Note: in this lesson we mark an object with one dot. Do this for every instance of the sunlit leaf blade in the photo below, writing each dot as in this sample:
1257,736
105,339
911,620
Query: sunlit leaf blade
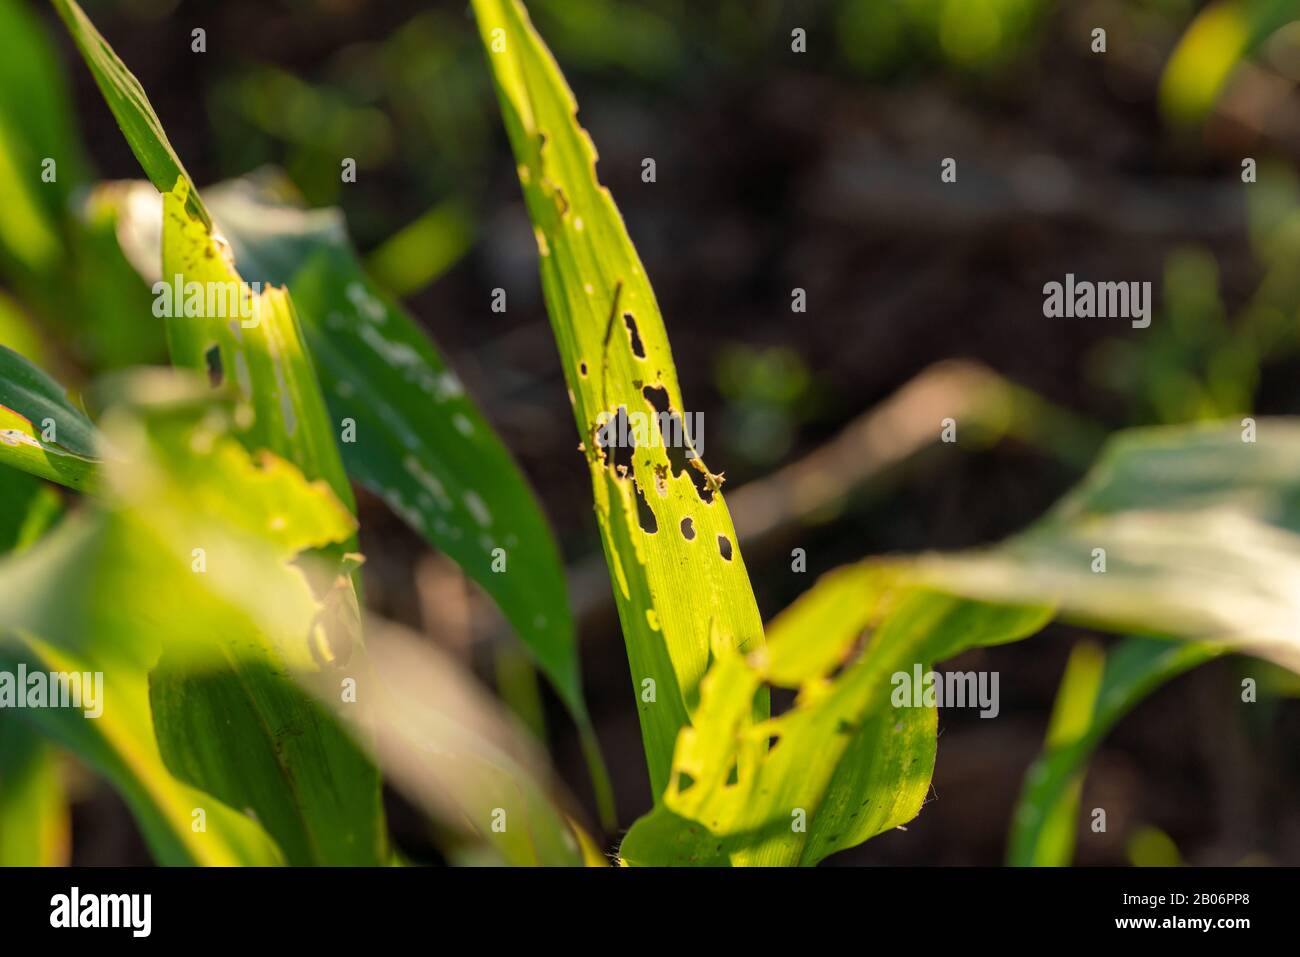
31,508
229,716
126,98
252,340
847,761
1211,50
1198,530
121,746
1096,692
34,820
216,323
35,827
215,531
294,769
678,576
41,432
249,342
35,127
419,440
457,754
51,590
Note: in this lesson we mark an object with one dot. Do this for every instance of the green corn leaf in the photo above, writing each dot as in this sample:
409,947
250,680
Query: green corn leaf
1185,531
230,717
121,745
31,508
126,98
35,129
848,761
252,340
35,827
41,432
34,821
231,617
452,749
183,480
51,590
1096,692
1212,49
678,577
249,341
229,331
420,441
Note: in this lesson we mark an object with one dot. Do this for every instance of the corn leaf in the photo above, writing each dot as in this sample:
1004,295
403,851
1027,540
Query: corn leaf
34,822
249,341
31,508
1211,50
220,326
1096,692
41,432
49,593
213,644
678,576
455,752
35,128
35,827
420,442
257,346
1186,531
126,98
848,761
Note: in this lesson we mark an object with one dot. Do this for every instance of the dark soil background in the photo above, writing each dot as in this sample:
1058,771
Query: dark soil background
779,170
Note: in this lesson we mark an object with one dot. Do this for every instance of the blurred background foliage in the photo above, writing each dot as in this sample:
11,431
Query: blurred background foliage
776,170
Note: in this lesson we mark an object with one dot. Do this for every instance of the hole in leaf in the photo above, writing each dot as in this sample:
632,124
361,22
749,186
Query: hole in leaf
724,547
645,515
676,442
638,348
688,528
216,374
733,776
582,369
684,781
616,439
657,396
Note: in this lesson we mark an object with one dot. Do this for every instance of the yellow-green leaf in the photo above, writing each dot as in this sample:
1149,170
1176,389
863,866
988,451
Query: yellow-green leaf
678,576
847,761
1188,531
41,432
1097,690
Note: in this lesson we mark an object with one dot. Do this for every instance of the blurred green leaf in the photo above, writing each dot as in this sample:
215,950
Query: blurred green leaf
231,619
420,443
248,341
34,822
1211,49
678,577
1097,690
31,508
1197,530
846,762
35,827
35,131
423,250
41,432
451,748
64,591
